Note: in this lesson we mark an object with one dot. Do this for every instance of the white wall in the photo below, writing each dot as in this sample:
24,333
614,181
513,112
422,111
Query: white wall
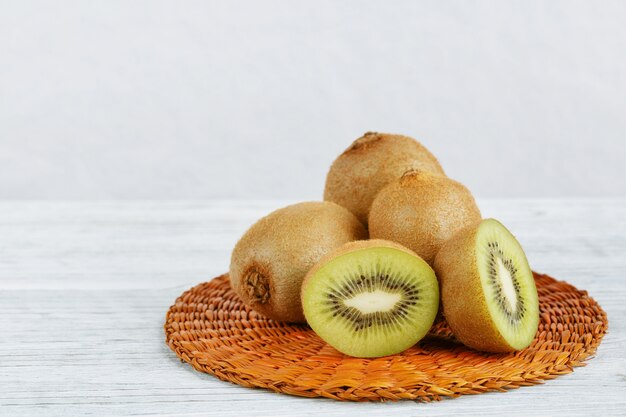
254,99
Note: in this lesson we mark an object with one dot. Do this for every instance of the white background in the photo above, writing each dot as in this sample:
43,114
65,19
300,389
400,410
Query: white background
254,99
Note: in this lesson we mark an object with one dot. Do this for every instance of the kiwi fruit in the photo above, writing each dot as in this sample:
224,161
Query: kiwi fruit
370,163
270,261
488,290
421,211
370,298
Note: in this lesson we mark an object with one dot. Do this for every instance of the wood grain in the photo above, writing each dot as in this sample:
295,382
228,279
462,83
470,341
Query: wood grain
84,288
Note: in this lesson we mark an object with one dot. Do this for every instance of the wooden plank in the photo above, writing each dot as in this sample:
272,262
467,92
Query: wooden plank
84,288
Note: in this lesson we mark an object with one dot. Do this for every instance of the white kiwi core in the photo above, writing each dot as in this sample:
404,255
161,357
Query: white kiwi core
506,282
374,301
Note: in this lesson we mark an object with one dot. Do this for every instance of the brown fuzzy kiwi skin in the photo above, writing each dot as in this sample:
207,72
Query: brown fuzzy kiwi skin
464,304
370,163
271,259
421,211
352,247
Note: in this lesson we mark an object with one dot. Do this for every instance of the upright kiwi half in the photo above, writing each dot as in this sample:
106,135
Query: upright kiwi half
371,298
370,163
488,291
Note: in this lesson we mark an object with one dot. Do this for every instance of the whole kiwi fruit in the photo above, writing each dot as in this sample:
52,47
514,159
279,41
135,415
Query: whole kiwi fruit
488,290
421,211
369,164
371,298
271,259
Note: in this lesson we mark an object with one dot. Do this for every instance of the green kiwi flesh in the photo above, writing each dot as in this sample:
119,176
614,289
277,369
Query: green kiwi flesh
371,298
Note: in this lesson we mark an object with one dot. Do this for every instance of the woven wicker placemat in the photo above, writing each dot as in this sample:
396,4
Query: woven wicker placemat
211,329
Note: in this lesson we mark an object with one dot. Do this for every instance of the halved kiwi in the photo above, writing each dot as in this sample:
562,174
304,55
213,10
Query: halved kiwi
488,290
371,298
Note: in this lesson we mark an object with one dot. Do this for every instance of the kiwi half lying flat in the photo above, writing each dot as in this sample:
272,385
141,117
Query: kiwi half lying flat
488,291
370,298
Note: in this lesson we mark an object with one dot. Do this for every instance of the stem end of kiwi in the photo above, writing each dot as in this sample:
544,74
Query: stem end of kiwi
256,285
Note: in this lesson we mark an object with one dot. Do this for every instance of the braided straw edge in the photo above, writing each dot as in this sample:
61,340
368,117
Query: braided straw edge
560,363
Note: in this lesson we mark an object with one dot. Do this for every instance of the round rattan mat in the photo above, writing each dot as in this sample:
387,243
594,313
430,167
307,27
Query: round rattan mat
211,329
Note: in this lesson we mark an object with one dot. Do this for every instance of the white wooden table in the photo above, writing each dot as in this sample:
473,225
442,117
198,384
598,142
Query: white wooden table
84,288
